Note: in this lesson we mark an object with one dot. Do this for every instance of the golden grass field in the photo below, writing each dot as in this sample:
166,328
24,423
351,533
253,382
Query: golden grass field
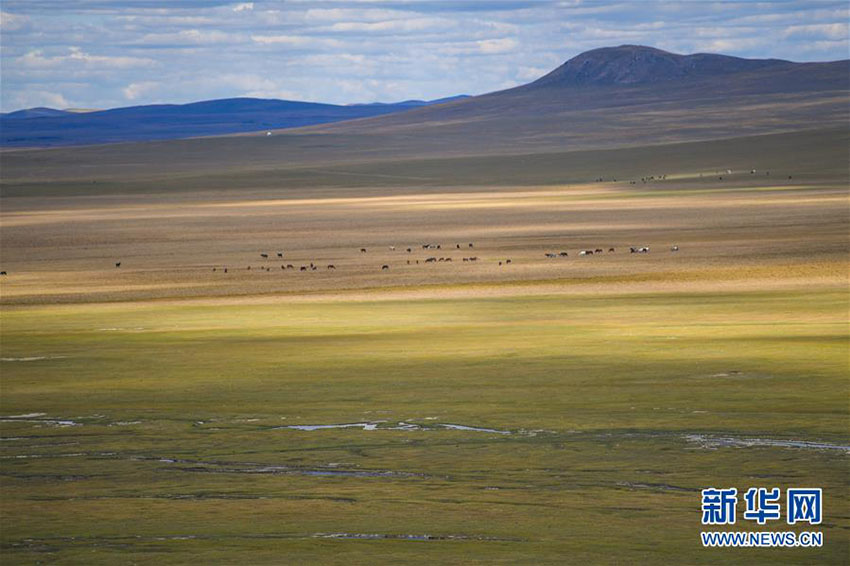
144,407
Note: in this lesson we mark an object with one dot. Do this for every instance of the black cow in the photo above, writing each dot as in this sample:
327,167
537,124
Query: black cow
279,254
384,267
264,256
362,250
331,266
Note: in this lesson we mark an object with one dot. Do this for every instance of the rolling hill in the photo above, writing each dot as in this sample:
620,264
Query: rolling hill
42,127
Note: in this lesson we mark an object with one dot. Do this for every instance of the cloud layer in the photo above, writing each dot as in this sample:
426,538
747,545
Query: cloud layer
108,53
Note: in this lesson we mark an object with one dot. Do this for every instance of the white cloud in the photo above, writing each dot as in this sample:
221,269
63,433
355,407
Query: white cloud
531,73
77,57
243,7
400,25
348,14
295,41
30,99
12,22
835,31
136,90
189,37
502,45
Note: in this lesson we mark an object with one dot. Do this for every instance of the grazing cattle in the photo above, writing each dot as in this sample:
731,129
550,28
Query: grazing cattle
507,261
313,268
392,248
473,258
249,268
431,260
470,244
279,254
458,246
550,255
500,264
674,249
439,247
225,270
117,264
362,250
442,259
466,259
2,273
564,254
290,266
283,267
409,250
640,250
303,268
264,256
598,250
384,267
610,250
448,259
586,252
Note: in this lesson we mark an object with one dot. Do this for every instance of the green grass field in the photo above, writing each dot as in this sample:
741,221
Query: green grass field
607,406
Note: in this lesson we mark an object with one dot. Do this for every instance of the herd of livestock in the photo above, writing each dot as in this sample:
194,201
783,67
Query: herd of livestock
434,259
385,267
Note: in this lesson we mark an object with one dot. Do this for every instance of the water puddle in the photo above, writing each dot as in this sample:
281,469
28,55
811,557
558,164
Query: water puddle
401,425
364,426
473,429
40,419
714,442
32,358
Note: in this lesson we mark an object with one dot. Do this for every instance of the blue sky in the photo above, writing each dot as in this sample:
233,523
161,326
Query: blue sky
108,53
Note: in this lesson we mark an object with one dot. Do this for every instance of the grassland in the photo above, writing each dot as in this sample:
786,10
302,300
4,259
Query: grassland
145,407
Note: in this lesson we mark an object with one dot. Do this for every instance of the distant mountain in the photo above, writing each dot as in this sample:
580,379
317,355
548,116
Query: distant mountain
49,127
416,103
626,95
635,65
39,112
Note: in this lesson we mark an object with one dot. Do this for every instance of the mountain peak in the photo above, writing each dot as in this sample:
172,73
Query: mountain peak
638,64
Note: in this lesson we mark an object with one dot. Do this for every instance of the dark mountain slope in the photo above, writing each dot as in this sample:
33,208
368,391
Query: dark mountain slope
625,96
634,64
